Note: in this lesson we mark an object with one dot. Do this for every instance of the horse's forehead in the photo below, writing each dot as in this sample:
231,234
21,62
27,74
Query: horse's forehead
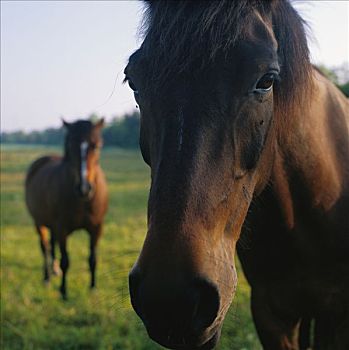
262,29
258,32
86,134
81,136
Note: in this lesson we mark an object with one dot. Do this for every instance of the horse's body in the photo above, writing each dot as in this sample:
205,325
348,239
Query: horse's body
248,146
57,199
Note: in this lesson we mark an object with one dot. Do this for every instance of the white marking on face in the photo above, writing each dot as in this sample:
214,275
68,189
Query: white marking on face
83,154
180,131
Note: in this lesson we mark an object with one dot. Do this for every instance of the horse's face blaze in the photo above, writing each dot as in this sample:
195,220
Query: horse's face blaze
82,146
206,136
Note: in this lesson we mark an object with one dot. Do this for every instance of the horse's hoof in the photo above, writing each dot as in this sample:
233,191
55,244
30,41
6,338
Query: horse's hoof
46,283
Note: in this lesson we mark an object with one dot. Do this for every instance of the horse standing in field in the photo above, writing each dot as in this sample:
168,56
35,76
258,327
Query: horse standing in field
247,142
67,193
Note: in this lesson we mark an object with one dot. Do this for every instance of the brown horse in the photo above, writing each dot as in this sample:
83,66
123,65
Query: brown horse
67,193
247,142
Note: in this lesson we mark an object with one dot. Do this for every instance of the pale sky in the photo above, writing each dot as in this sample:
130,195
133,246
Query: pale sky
64,58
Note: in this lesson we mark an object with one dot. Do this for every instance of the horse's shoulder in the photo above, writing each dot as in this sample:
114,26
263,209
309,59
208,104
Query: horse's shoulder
39,164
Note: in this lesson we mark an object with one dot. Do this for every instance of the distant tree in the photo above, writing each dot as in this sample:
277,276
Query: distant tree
122,132
13,137
345,88
93,117
338,75
329,73
342,72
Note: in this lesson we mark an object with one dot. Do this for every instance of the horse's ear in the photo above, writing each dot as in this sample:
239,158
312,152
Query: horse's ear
100,123
66,124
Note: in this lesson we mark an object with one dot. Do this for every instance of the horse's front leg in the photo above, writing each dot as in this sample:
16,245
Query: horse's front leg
45,248
64,263
95,233
277,329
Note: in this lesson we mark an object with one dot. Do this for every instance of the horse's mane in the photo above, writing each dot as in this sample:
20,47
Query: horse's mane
182,36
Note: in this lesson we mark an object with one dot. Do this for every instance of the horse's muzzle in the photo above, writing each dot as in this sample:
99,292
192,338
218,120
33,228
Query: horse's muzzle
177,316
85,191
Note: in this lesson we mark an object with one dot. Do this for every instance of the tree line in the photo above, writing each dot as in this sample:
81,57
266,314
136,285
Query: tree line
338,75
121,132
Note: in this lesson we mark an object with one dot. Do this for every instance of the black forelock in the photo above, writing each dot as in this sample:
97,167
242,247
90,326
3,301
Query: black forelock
80,128
77,131
186,35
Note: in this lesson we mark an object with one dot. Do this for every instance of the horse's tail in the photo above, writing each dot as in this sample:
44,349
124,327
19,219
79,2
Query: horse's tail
36,165
304,338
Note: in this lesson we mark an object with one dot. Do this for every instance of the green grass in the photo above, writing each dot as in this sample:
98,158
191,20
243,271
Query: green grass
34,317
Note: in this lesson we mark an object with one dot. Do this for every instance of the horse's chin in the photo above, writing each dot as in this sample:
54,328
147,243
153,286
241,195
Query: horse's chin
212,342
203,342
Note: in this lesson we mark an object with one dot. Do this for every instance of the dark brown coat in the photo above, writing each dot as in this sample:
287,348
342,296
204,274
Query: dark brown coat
62,197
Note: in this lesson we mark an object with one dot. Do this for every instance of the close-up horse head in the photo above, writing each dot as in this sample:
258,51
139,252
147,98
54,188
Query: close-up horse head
82,144
210,79
233,114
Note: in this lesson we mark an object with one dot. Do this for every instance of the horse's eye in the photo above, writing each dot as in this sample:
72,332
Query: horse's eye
265,83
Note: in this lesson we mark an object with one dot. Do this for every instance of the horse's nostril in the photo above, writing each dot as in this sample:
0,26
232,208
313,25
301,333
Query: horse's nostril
207,306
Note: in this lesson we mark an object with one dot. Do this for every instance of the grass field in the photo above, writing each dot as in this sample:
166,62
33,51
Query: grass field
33,315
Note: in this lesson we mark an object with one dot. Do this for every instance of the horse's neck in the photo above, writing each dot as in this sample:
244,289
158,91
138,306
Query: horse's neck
314,159
71,170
